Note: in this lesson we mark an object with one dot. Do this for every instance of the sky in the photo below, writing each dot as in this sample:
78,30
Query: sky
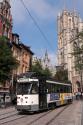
45,14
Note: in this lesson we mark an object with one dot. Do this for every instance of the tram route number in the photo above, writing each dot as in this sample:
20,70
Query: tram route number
21,99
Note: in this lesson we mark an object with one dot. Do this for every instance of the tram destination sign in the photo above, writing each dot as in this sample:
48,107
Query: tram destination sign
20,80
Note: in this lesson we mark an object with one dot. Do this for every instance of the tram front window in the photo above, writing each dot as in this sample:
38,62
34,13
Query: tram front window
34,89
23,88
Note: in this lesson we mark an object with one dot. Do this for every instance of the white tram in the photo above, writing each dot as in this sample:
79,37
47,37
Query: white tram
35,93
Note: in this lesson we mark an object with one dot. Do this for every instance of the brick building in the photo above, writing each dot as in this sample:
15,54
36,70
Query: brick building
5,19
22,52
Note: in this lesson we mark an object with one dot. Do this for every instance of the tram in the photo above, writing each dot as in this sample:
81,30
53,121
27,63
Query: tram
35,93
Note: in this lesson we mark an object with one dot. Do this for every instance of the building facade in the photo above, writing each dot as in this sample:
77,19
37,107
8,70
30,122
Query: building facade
5,19
69,24
21,52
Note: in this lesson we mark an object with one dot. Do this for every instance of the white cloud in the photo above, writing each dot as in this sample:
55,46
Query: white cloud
18,13
51,55
39,8
53,59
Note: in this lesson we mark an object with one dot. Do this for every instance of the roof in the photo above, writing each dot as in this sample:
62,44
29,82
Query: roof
21,45
15,34
30,74
27,48
17,45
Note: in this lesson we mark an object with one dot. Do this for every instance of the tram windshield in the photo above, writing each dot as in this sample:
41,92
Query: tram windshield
24,88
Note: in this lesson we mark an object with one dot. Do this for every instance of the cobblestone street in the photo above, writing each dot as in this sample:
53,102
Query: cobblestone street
66,115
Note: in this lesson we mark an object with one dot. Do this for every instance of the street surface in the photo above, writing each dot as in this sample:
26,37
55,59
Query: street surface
66,115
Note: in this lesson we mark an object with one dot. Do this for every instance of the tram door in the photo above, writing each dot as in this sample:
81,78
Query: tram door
42,94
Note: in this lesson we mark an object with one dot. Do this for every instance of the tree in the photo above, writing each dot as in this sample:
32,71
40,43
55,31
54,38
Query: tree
78,54
37,67
61,75
47,73
7,61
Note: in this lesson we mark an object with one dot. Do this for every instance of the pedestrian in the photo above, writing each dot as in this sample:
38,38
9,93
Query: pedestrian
0,101
81,95
77,95
4,98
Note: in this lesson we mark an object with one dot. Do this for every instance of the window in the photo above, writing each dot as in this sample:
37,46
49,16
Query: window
49,88
23,88
34,89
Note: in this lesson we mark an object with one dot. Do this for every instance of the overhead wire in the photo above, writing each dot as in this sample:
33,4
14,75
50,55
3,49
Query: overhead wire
37,25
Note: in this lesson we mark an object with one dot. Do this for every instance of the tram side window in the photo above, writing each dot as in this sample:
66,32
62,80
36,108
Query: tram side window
34,89
65,89
69,89
58,89
61,90
49,88
52,88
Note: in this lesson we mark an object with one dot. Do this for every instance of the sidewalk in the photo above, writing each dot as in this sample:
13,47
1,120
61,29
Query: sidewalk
6,105
82,114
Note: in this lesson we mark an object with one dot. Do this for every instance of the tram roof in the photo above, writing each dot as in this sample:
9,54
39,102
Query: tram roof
35,76
58,83
30,75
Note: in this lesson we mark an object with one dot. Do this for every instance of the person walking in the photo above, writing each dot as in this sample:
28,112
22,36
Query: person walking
4,99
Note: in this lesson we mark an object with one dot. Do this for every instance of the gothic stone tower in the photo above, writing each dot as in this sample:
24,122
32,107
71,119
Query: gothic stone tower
69,24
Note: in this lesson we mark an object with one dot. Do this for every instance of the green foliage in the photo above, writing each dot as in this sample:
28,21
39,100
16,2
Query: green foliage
78,51
4,39
61,75
47,72
7,61
37,67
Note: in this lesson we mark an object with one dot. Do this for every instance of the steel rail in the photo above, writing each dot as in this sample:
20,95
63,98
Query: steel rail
48,123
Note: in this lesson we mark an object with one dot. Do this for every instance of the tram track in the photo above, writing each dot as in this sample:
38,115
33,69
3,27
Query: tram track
58,114
48,123
17,117
14,119
10,115
39,118
24,116
6,113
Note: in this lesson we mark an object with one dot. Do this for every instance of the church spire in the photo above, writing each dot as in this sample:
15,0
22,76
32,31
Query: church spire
46,59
